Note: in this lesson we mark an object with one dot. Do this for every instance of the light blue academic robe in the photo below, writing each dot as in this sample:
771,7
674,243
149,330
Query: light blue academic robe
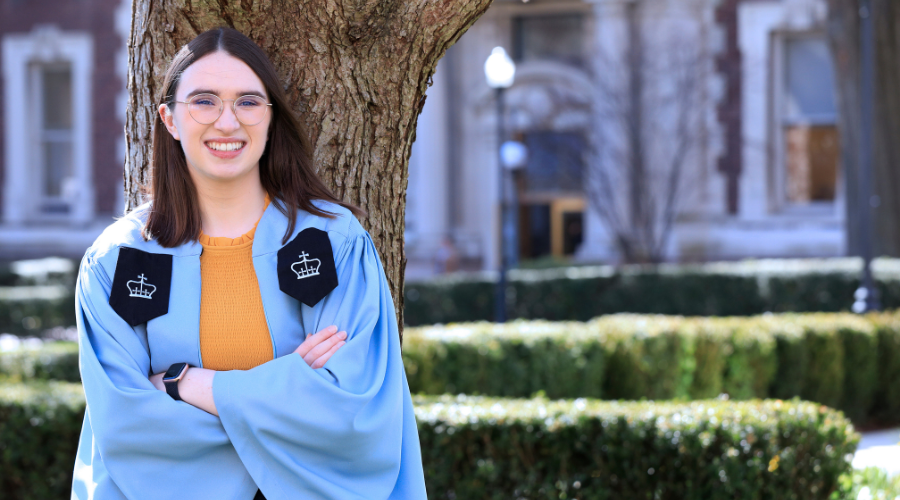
344,431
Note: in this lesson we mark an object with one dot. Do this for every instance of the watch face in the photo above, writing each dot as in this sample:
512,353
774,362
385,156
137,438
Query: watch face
174,371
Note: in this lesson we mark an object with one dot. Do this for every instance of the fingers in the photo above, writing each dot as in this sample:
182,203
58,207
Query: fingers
319,363
323,347
314,340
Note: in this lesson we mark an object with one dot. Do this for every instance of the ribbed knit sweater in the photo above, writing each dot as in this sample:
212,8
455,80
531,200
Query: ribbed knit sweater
233,330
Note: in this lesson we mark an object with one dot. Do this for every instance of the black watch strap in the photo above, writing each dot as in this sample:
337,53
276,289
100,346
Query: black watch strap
174,375
172,389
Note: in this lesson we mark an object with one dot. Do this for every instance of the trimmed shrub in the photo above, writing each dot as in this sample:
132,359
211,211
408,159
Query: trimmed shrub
871,483
751,361
841,360
845,361
827,358
490,448
29,310
40,423
514,359
485,448
52,361
559,294
580,294
717,289
633,357
648,357
886,408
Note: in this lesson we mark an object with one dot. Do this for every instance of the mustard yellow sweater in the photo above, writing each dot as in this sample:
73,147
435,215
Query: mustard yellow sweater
233,330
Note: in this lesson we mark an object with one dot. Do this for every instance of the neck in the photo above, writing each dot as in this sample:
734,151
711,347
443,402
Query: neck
230,209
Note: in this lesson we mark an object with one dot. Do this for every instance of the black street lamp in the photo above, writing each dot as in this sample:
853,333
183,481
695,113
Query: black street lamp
866,295
500,72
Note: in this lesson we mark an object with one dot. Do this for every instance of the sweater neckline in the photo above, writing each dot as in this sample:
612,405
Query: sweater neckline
241,241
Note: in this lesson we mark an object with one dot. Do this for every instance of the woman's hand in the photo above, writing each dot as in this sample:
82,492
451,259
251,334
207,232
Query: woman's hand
318,348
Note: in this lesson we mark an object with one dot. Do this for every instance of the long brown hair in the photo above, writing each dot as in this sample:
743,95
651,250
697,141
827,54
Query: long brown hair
285,168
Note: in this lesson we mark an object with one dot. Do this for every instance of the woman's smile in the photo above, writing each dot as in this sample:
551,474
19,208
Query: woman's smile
225,148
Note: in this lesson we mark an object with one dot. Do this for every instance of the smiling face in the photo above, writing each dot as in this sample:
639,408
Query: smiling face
225,150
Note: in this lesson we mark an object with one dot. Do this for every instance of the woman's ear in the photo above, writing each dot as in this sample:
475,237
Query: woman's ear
168,120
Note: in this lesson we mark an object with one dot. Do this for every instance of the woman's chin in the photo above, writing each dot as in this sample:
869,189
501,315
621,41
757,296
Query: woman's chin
224,172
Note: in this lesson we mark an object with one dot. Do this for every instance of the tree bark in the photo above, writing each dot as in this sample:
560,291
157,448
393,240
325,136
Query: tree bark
355,70
844,37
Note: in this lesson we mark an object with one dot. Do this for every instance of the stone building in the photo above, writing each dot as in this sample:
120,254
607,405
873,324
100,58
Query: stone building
761,180
759,175
62,103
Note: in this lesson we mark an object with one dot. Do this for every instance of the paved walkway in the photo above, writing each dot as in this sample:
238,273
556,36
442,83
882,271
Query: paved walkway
879,449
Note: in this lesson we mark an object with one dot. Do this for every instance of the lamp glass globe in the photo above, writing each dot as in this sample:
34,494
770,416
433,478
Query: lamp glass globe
499,69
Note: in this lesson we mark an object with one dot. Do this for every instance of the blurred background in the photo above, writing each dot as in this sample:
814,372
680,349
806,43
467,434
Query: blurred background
689,130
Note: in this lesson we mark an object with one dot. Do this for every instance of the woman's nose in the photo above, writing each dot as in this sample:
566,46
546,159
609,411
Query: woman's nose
227,120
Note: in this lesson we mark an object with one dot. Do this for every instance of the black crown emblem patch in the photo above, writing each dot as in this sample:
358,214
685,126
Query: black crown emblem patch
306,268
141,285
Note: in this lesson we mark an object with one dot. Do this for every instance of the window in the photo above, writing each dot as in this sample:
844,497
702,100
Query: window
556,38
555,161
48,171
53,107
809,137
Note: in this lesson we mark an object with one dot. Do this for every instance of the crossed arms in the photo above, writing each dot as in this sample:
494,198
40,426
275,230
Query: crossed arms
196,388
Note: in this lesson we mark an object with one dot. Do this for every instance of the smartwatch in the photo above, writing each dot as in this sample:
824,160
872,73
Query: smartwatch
171,378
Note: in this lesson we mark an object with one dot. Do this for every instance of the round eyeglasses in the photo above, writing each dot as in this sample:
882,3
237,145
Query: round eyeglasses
207,108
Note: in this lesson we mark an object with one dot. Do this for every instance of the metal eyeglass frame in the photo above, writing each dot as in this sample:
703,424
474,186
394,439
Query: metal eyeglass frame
222,108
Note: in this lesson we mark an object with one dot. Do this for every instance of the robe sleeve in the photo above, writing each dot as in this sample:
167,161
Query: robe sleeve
151,446
346,430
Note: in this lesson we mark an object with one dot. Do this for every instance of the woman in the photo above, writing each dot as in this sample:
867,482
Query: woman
212,286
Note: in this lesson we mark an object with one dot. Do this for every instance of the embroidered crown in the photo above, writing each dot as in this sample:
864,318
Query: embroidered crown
140,289
306,267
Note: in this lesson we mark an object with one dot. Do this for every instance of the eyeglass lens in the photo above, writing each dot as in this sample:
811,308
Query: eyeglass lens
206,108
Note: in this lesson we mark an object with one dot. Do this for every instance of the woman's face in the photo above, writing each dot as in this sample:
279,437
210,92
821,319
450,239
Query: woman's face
226,149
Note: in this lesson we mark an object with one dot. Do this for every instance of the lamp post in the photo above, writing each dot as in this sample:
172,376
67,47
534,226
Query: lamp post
513,156
500,72
866,295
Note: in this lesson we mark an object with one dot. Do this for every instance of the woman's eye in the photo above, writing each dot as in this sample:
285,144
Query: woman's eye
203,102
248,103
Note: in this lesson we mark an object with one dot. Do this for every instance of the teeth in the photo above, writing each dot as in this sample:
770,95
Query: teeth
225,146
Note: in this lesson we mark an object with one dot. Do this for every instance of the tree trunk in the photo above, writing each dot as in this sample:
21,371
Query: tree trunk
355,70
844,35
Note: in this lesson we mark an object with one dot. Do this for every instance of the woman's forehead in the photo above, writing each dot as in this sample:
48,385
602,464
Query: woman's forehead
221,74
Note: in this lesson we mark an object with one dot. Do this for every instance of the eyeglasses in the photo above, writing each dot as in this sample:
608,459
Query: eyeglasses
207,108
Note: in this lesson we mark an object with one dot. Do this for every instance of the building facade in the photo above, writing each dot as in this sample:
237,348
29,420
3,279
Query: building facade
736,95
617,101
62,149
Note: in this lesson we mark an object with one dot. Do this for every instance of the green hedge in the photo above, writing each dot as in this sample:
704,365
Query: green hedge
484,448
512,360
559,294
29,310
46,271
717,289
52,361
887,389
37,295
39,427
476,448
845,361
871,483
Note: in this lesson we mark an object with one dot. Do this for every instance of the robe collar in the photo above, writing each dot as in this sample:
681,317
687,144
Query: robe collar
267,238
